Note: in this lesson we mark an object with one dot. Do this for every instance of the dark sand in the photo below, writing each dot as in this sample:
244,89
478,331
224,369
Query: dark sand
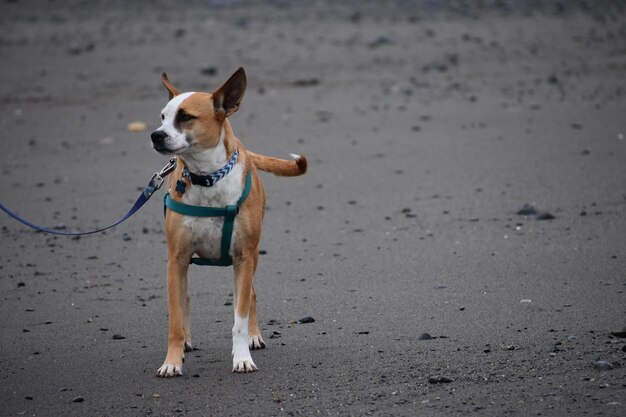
427,127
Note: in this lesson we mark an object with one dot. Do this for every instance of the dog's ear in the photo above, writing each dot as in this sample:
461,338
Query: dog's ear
227,98
173,91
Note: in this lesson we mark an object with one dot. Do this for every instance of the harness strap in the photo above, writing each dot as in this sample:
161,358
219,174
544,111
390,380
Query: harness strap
229,213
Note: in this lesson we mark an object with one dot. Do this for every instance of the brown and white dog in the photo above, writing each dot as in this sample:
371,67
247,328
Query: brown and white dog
196,129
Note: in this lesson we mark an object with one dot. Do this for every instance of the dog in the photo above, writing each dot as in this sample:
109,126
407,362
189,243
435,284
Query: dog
196,129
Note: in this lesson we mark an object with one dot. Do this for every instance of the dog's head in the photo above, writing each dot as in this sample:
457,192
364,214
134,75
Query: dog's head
192,122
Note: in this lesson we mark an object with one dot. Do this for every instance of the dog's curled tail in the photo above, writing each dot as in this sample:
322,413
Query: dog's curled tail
280,167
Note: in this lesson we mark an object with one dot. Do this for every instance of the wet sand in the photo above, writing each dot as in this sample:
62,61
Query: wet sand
427,128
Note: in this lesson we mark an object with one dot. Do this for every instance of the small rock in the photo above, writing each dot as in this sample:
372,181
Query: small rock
525,300
28,397
118,337
552,79
364,332
440,380
620,333
309,82
78,400
136,127
602,366
527,210
545,216
21,284
424,336
306,319
196,375
209,71
228,303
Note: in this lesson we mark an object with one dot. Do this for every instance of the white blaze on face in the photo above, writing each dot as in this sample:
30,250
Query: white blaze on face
176,140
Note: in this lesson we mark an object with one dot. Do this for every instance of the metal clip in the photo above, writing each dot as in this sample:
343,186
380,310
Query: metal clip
168,168
159,177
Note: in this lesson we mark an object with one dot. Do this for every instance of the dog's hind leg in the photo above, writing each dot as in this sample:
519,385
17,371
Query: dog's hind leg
244,274
176,298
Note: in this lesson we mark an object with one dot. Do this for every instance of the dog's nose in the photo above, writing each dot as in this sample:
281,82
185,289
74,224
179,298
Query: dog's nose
158,136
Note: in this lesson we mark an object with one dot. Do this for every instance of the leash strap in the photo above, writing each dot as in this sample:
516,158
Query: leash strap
155,183
229,213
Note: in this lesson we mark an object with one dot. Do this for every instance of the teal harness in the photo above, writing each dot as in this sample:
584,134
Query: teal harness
228,213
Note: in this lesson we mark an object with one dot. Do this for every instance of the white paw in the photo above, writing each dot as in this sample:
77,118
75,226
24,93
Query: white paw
169,370
244,365
256,342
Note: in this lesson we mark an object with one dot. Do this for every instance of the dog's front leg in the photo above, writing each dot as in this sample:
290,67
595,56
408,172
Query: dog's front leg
244,274
177,300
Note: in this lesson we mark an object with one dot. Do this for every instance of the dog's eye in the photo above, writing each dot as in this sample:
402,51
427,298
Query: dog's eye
184,117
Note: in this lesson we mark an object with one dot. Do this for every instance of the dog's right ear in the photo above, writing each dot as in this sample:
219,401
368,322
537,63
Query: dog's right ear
173,91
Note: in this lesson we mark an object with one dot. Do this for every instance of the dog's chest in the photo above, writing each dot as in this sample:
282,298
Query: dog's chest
205,233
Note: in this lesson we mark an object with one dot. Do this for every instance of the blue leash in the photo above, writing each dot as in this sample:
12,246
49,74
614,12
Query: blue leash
155,183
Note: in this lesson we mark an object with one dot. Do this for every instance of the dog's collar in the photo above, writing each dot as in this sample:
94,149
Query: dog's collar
214,177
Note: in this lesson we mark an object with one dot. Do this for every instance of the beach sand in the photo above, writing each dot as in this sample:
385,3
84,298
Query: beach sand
427,127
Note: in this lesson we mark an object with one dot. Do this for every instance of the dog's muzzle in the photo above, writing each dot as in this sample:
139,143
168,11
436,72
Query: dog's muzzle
159,138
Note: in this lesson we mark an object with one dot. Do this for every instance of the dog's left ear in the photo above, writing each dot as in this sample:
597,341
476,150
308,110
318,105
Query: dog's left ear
227,98
173,91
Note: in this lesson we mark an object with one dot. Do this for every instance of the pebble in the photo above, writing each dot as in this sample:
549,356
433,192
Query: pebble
424,336
78,400
440,380
527,210
309,82
530,211
620,333
602,366
545,216
209,71
136,127
21,284
306,319
118,337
